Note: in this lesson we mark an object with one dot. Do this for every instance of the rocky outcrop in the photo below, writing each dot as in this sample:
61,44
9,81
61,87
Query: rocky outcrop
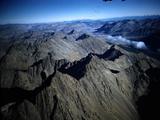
83,36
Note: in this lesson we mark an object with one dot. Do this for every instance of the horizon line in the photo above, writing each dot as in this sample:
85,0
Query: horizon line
89,19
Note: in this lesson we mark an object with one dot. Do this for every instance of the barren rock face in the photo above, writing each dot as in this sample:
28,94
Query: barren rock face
52,78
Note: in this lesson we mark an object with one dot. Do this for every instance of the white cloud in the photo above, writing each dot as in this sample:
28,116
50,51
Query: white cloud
119,40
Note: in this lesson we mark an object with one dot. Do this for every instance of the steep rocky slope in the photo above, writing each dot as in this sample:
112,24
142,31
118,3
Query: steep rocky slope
47,76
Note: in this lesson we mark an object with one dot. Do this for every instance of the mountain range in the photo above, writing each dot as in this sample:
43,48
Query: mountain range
72,71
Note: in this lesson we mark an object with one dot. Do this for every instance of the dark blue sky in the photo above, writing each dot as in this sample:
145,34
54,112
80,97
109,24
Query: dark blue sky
35,11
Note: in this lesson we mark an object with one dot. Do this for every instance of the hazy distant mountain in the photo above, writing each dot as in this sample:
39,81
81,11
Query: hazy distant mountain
146,30
133,18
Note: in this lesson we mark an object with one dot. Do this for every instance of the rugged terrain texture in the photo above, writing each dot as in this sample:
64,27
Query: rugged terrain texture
57,75
147,30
